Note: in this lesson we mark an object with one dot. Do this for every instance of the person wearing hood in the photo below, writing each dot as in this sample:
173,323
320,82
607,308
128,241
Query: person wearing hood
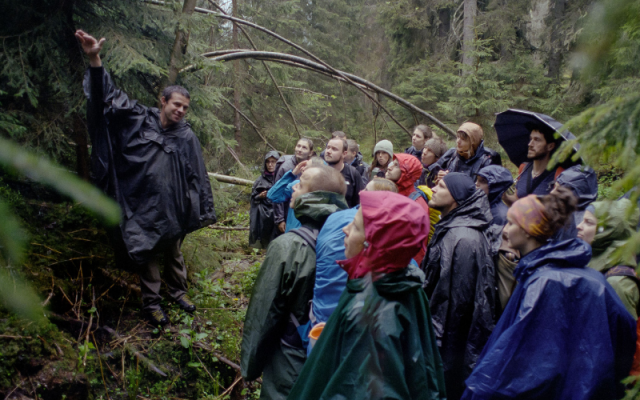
583,183
382,156
286,163
379,342
262,229
494,180
420,135
468,157
434,148
564,334
607,226
404,171
460,277
271,345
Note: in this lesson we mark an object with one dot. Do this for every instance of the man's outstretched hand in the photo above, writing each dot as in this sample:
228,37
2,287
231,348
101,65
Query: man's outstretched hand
91,47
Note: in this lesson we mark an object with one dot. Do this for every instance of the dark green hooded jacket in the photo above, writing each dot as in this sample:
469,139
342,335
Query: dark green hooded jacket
616,224
284,287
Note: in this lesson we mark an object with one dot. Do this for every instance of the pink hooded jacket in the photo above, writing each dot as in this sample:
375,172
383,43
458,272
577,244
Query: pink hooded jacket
396,228
411,169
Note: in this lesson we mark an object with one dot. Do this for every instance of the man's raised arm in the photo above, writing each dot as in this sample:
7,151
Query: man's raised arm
91,47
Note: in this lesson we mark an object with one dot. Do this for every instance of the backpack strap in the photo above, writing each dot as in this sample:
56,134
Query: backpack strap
309,235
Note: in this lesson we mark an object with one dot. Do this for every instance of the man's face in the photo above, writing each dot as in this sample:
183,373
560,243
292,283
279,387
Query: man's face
442,199
482,184
304,186
271,164
538,146
463,144
175,108
302,150
334,152
393,171
428,157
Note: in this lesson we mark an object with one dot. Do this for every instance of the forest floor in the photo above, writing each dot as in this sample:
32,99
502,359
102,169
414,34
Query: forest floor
94,343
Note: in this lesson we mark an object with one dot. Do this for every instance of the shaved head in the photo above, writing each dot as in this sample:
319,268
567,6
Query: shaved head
326,179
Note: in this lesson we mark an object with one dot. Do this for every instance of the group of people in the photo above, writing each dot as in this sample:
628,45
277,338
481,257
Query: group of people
428,274
433,273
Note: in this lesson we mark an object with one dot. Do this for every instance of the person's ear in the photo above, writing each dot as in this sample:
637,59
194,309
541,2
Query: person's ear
163,101
551,146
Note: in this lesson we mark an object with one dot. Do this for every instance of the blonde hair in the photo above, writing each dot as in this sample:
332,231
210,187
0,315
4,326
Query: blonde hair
382,185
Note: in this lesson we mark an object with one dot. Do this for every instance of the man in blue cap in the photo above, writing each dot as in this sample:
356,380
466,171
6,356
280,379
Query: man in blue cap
460,277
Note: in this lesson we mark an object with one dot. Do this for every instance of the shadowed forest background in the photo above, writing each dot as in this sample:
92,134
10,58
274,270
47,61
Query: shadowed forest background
460,60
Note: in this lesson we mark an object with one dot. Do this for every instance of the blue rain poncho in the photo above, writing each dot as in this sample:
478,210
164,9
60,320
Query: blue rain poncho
563,335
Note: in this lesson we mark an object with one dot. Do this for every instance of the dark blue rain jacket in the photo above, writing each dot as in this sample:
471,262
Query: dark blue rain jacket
583,182
499,179
563,335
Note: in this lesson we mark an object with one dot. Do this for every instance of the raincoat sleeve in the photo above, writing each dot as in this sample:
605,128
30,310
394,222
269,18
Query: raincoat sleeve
281,191
628,292
530,357
282,284
443,162
359,185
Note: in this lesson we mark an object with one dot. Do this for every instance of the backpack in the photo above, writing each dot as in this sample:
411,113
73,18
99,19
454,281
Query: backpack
294,335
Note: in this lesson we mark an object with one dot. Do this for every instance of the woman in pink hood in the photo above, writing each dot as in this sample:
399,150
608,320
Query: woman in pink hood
379,342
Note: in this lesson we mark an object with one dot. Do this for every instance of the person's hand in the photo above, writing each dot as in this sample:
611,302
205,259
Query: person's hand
509,199
91,47
263,195
282,226
441,174
300,168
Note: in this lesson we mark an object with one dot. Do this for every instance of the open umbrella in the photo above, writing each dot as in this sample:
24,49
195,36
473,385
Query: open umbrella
513,135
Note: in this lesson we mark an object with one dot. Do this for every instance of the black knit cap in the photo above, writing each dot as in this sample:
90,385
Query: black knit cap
461,186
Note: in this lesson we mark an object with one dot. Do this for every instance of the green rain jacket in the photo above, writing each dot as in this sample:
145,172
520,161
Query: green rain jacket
617,221
284,287
377,344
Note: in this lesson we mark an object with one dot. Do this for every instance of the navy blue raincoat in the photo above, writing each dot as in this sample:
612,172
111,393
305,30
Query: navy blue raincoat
499,179
563,335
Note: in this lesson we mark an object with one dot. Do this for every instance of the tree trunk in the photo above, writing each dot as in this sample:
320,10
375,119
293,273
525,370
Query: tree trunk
556,46
179,45
469,34
236,84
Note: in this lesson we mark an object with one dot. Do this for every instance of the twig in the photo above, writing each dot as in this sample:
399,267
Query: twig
73,259
255,127
95,343
134,352
14,337
44,303
86,340
119,280
122,309
230,388
206,370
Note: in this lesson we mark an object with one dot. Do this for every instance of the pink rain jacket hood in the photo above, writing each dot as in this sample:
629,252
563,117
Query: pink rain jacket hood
411,169
396,228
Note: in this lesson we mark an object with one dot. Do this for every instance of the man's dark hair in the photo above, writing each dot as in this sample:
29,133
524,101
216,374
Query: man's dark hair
338,134
353,145
170,90
329,180
549,133
345,146
309,142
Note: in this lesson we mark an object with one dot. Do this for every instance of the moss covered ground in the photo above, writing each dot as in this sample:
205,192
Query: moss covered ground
94,343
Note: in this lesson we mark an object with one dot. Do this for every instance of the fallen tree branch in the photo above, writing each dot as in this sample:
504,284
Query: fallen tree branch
134,352
229,228
120,281
230,179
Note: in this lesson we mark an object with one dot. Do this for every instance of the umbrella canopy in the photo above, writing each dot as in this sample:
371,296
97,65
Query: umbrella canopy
513,134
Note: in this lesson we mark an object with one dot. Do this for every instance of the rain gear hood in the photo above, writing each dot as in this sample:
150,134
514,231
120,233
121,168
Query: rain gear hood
283,290
461,286
157,175
262,228
617,221
384,213
530,355
379,342
411,169
475,134
583,183
499,179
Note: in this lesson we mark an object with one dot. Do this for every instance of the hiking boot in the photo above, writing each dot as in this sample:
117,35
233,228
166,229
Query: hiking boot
157,317
186,304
